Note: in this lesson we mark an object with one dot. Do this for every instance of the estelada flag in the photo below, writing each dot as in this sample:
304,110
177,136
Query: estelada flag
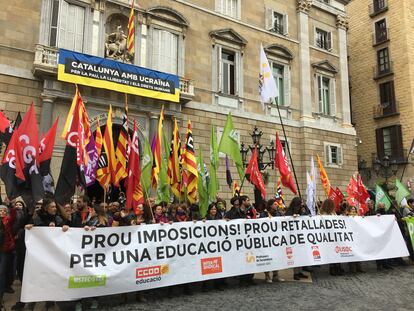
336,196
12,167
253,174
174,163
281,163
134,194
46,149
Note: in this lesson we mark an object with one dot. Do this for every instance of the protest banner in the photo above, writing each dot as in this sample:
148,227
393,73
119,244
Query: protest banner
77,263
410,226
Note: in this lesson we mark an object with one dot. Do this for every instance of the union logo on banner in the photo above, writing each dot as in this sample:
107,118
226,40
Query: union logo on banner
211,265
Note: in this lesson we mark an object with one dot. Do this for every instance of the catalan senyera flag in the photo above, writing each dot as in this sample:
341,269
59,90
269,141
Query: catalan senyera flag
121,149
107,160
156,151
324,177
190,173
174,165
69,119
131,30
98,138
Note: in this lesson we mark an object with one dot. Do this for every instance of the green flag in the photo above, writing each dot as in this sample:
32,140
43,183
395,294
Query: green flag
381,197
213,185
230,145
146,167
202,185
163,188
410,226
401,192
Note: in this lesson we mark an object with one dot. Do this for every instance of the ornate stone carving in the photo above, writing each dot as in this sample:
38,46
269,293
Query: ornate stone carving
116,46
304,6
342,21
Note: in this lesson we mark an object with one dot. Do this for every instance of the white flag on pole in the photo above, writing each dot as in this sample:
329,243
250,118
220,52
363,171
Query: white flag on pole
267,86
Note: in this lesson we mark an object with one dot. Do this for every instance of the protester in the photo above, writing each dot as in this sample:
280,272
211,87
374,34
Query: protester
295,209
221,207
212,212
7,247
159,216
272,210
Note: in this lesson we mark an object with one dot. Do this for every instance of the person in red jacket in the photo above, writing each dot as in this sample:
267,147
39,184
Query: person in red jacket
7,247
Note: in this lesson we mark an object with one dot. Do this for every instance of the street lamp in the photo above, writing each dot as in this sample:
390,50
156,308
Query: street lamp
385,168
261,150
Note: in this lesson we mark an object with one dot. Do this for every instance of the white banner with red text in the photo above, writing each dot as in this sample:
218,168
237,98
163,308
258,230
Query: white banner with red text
76,264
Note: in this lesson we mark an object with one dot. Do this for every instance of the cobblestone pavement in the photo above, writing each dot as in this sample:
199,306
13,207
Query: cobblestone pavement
388,290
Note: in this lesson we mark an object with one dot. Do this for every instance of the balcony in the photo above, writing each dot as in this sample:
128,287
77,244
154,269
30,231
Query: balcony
382,112
377,7
380,36
46,63
384,70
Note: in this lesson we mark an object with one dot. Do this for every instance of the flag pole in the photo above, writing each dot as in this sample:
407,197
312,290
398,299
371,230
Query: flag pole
146,193
288,148
408,155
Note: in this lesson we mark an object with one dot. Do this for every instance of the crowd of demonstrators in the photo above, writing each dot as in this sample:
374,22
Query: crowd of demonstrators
16,216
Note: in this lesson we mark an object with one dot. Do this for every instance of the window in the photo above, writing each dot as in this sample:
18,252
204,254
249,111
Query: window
387,97
67,26
323,39
228,7
278,75
379,5
165,51
228,72
381,34
383,61
278,23
333,154
389,143
324,95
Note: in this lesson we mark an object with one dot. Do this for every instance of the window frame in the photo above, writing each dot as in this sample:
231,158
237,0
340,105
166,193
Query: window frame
219,8
381,33
172,33
323,110
325,44
382,88
383,61
396,139
328,148
57,28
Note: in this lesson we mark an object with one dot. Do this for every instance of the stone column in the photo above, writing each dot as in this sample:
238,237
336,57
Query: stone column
153,126
46,118
303,7
342,25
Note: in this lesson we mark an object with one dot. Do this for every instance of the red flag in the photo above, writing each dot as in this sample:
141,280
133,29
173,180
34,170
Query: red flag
13,157
336,196
4,122
253,174
46,149
357,195
282,164
134,194
28,137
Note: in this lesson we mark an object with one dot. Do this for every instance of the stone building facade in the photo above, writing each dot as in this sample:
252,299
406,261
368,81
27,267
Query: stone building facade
381,55
213,45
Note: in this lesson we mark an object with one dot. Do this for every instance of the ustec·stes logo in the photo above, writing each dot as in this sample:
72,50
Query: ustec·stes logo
344,251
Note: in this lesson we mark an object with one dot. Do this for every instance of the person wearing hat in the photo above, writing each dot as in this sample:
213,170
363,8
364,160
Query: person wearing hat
7,247
235,212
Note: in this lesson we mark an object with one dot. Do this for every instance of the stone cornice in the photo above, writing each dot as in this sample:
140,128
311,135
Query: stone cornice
303,6
342,22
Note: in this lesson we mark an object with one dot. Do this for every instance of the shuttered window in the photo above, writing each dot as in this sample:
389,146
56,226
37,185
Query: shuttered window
67,26
389,143
165,51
